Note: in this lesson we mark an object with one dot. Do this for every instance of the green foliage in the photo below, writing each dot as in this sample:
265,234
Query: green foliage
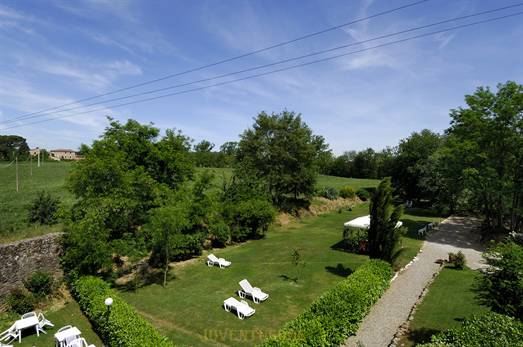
383,234
353,238
220,233
491,329
20,301
330,193
12,146
347,192
501,284
337,313
250,218
121,326
40,283
281,150
363,194
43,209
458,260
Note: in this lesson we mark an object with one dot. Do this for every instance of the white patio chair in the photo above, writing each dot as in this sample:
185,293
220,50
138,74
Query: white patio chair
242,308
10,334
42,322
422,231
2,345
79,342
248,290
214,260
28,315
64,328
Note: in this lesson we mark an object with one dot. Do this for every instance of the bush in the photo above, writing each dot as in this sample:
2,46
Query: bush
347,192
122,326
250,218
40,283
221,234
330,193
363,194
491,329
43,209
337,313
501,284
353,238
20,301
458,260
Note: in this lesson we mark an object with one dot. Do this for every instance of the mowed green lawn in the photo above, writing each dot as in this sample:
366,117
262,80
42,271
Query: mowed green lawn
13,205
450,299
189,309
70,314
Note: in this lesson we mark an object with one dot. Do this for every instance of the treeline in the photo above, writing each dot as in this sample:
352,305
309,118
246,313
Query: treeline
12,146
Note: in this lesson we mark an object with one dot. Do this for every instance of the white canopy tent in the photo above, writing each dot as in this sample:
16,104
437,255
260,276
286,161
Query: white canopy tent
363,223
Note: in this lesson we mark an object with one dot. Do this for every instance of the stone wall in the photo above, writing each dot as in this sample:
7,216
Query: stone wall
18,260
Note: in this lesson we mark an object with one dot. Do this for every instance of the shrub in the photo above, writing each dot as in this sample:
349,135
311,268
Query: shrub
43,209
491,329
122,326
40,283
221,234
347,192
250,218
20,301
458,260
353,238
501,284
330,193
363,194
337,313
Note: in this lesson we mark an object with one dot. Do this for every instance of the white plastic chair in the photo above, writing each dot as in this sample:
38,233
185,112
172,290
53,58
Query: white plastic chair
42,322
10,334
214,260
28,315
242,308
248,290
79,342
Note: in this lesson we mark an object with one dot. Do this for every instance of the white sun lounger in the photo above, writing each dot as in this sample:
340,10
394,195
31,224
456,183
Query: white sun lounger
214,260
256,293
242,308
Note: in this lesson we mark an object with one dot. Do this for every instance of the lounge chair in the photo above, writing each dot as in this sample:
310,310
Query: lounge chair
213,260
10,334
242,308
42,322
256,293
80,342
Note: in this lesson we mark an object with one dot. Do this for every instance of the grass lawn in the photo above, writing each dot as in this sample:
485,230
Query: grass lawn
189,309
450,299
13,205
70,314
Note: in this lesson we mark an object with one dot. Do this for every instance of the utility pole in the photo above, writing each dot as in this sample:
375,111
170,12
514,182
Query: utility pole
31,165
38,157
16,160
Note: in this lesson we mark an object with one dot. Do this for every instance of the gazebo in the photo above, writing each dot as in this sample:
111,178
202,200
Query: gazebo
363,223
355,233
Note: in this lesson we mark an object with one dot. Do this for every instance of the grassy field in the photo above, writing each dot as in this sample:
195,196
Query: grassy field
189,309
70,314
13,205
450,299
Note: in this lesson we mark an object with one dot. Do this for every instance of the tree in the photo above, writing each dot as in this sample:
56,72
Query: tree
203,146
43,208
412,153
501,284
12,145
365,164
281,150
383,234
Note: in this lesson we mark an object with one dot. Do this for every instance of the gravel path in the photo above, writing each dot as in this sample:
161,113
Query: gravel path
392,310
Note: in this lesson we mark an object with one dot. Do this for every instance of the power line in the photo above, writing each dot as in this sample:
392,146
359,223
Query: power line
269,64
223,61
278,70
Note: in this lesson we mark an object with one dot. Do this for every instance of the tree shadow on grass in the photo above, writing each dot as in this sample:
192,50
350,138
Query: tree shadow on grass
423,212
340,246
288,278
339,270
421,335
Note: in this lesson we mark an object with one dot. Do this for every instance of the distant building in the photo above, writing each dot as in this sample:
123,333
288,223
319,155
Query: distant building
63,154
34,152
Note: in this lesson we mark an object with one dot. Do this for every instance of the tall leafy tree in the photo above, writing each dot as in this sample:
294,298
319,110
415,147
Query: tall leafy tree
282,150
13,145
384,216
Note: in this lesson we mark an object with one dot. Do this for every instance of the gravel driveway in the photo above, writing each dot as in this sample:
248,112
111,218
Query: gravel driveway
392,310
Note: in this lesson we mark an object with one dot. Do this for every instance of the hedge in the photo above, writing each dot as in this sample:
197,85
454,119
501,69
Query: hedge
337,313
122,326
491,329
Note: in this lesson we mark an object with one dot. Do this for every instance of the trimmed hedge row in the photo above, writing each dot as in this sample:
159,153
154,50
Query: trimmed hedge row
337,314
122,326
491,329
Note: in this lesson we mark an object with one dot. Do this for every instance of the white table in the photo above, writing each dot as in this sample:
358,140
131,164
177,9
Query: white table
69,334
27,323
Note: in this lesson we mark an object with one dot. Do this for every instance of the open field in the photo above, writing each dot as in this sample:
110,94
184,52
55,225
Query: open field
13,205
189,309
450,299
70,314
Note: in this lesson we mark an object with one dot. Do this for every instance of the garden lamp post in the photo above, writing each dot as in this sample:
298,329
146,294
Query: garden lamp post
108,302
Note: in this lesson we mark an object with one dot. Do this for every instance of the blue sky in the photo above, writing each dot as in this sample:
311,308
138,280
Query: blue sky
54,52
